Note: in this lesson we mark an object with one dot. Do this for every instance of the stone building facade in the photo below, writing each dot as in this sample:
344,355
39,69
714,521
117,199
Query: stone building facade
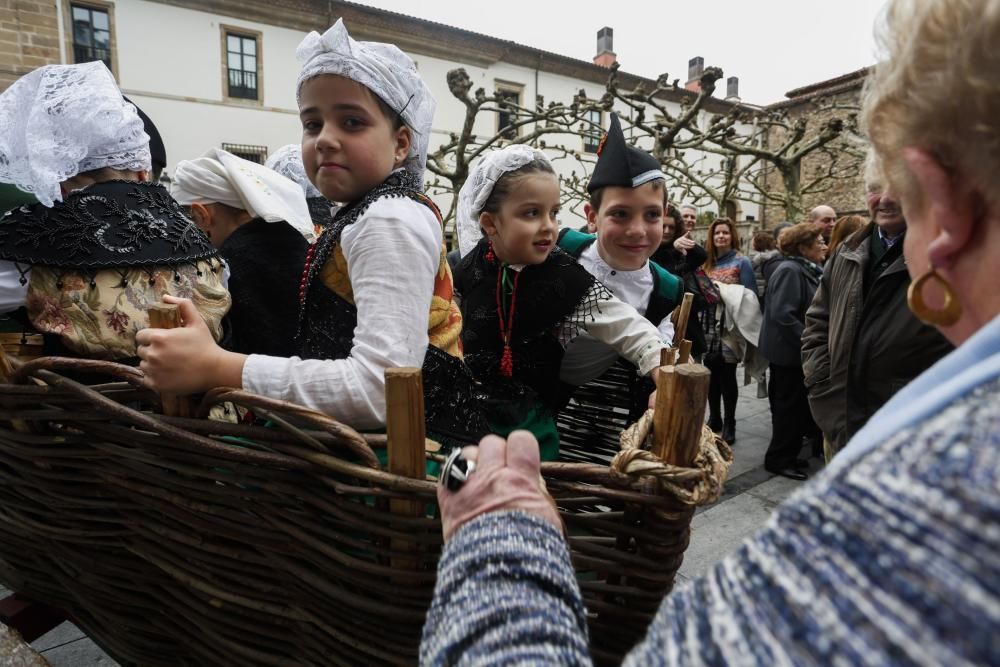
844,194
29,37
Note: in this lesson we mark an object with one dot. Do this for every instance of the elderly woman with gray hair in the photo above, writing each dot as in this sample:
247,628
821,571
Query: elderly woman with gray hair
892,555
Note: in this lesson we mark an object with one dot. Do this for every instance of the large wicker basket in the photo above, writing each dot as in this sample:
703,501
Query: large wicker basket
186,541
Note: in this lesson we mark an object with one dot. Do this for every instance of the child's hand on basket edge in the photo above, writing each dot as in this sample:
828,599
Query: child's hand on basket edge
187,359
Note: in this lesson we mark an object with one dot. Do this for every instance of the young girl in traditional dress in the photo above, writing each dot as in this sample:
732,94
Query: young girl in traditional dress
376,291
523,299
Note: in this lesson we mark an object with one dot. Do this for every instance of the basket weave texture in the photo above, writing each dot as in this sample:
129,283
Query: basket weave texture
176,541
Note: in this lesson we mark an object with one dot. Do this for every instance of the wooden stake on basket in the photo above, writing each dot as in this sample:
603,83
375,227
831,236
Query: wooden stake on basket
166,316
404,403
684,352
680,413
683,315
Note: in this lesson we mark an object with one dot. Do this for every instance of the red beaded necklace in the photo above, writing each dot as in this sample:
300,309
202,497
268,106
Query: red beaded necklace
506,324
304,283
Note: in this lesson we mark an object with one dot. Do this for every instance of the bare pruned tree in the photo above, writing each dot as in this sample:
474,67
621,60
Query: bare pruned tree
719,159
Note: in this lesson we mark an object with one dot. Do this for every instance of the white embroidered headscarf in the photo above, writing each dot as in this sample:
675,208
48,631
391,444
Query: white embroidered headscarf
60,120
287,161
218,176
479,186
381,68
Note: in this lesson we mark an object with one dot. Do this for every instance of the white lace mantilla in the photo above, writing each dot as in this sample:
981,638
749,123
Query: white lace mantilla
61,120
479,186
287,161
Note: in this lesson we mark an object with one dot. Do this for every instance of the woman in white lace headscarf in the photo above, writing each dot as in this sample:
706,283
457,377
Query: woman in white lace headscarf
102,243
287,161
258,220
377,291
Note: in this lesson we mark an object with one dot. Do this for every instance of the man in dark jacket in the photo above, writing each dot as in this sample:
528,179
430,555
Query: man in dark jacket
861,343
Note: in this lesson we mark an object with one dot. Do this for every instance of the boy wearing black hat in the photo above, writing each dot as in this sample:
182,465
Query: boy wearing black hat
627,205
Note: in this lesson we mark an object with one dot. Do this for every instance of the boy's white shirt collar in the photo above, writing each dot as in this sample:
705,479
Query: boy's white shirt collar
593,254
633,287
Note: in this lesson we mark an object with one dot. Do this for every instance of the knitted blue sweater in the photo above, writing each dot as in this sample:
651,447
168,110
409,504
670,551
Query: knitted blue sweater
893,559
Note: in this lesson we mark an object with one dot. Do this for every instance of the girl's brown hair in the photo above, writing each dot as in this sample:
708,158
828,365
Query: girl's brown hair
763,241
842,229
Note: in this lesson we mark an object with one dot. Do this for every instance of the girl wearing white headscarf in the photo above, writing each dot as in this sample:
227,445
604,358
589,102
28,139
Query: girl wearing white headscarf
377,291
545,297
103,243
259,221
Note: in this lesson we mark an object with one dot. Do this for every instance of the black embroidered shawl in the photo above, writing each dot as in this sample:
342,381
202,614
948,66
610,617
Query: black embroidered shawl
114,224
549,296
327,323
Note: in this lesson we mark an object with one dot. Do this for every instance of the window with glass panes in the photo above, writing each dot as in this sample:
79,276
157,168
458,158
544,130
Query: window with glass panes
507,115
593,130
241,60
91,35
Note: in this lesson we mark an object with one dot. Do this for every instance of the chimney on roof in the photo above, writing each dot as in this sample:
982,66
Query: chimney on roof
605,48
695,68
733,89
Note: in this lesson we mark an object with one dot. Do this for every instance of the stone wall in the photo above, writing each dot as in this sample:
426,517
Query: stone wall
845,195
29,37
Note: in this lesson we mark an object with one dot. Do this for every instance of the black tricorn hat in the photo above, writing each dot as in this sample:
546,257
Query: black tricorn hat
157,151
621,164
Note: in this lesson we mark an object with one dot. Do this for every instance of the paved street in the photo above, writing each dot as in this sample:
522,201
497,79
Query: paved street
750,496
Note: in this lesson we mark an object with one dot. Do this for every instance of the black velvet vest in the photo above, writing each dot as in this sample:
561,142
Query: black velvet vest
327,323
549,296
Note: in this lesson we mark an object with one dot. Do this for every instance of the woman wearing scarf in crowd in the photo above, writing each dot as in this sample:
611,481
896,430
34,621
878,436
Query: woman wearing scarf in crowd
376,292
103,243
892,555
260,223
728,266
287,161
790,292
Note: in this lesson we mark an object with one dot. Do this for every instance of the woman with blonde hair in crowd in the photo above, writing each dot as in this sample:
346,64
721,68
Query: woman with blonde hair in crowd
892,555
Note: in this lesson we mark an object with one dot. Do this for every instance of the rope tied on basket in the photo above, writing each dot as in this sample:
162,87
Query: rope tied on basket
698,485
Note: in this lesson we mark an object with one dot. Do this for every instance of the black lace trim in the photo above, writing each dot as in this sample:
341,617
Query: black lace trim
110,224
589,304
319,211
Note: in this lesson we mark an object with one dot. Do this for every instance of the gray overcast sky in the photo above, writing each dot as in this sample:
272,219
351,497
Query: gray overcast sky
773,46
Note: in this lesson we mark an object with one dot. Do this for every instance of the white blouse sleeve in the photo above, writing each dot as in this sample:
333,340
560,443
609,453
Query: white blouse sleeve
12,293
619,325
667,330
392,253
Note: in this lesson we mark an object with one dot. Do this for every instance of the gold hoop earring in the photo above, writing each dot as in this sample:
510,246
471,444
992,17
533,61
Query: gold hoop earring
946,315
